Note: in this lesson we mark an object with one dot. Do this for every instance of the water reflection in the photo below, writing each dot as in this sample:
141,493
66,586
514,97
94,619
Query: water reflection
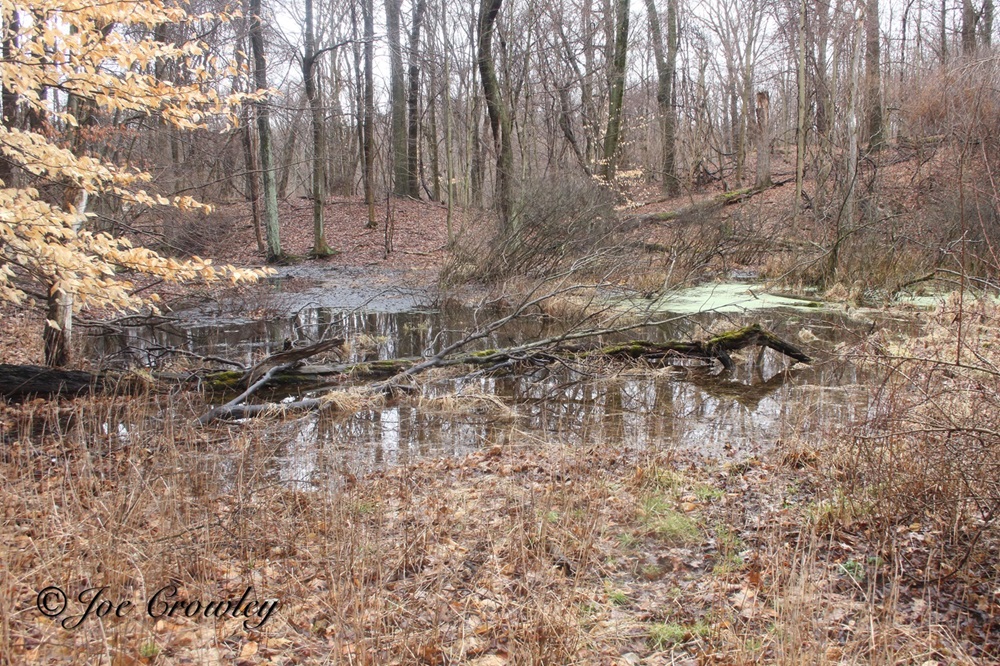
655,409
721,415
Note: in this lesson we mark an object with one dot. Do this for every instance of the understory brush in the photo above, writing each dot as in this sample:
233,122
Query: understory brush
928,453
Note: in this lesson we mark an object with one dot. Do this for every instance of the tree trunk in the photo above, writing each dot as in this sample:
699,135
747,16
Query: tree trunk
844,223
476,168
250,154
369,152
287,163
666,60
272,229
821,85
589,108
873,73
320,248
763,114
431,136
58,330
944,32
968,28
8,97
413,104
397,100
496,107
987,29
449,163
617,87
800,121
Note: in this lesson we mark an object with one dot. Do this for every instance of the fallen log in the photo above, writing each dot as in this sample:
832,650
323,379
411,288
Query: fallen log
717,348
713,203
391,375
21,382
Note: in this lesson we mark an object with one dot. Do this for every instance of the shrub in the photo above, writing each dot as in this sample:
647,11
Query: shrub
929,451
555,220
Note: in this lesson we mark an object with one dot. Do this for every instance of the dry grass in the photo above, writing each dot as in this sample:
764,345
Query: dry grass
527,552
22,340
928,458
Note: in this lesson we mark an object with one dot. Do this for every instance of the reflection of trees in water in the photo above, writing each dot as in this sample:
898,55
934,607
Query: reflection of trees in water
754,406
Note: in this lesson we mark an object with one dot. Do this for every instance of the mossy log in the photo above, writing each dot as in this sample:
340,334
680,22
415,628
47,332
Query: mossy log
718,347
18,382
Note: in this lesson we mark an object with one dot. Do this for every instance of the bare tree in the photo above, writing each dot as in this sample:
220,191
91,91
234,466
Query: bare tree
413,103
318,194
763,114
873,75
666,64
496,107
272,232
616,76
397,99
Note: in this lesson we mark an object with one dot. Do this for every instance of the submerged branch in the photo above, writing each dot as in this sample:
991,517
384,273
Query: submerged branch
542,352
394,375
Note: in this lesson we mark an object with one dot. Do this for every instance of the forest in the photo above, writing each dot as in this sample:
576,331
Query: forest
499,332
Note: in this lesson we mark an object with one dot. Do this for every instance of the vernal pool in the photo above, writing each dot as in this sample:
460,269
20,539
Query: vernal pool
695,409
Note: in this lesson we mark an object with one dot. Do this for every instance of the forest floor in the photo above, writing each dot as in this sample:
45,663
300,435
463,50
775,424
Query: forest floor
529,550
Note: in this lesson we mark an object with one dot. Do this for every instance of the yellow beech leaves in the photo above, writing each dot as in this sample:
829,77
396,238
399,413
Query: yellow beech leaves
105,54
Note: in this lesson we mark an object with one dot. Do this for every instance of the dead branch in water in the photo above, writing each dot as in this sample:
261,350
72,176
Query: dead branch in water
541,352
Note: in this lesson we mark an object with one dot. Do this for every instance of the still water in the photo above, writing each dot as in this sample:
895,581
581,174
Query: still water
718,415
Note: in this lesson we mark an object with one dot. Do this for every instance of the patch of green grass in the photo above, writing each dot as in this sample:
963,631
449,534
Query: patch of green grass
675,528
618,598
552,516
728,541
627,539
365,508
706,493
854,569
838,511
660,518
663,479
655,505
665,635
651,571
148,650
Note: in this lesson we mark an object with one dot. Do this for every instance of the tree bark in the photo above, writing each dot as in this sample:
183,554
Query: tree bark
58,331
250,158
320,248
873,73
271,226
449,164
286,164
413,104
369,20
8,97
397,99
800,122
617,88
666,59
763,114
496,107
968,28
